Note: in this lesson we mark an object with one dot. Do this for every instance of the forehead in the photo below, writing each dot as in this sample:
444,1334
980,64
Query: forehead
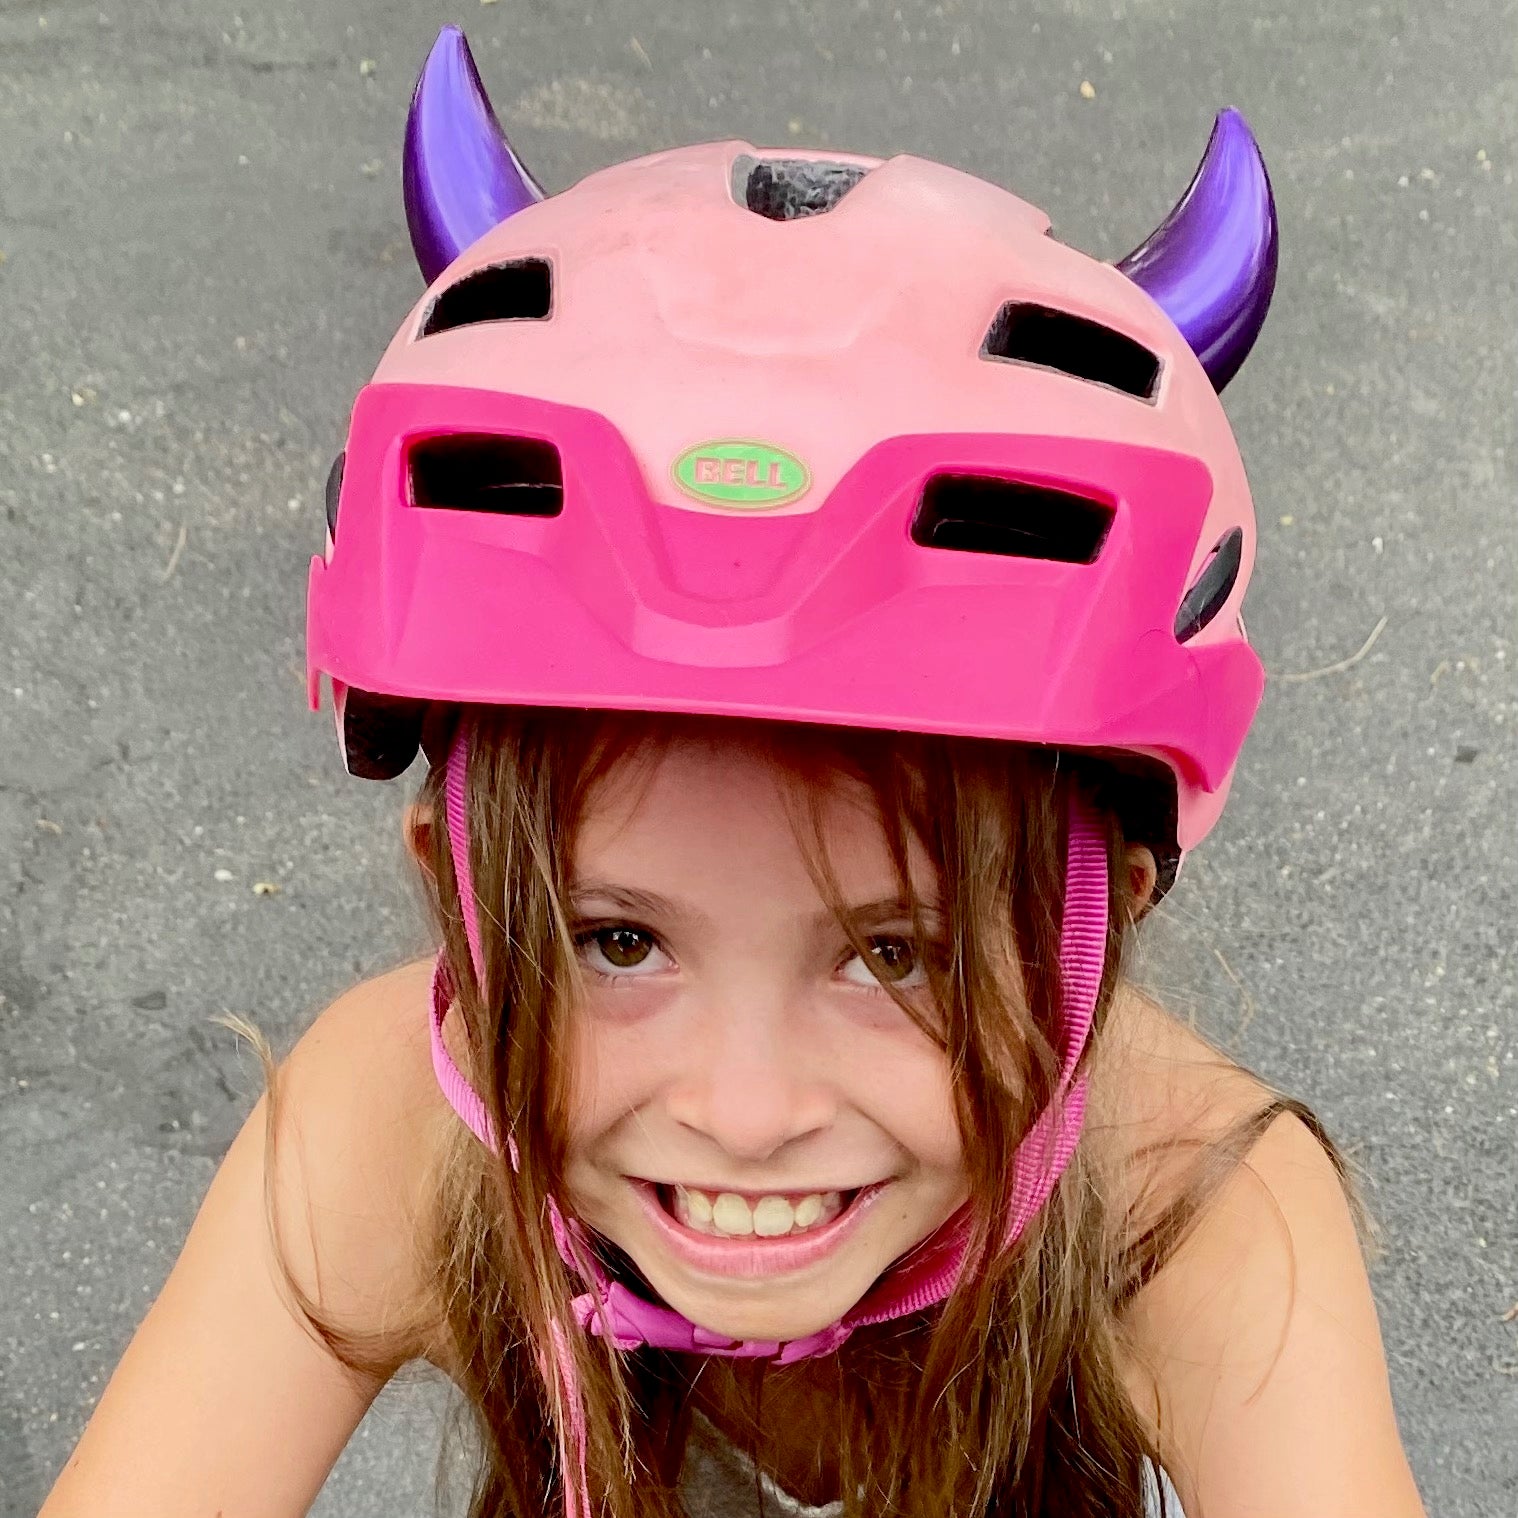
718,806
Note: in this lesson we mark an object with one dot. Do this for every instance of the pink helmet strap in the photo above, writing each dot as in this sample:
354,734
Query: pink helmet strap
920,1279
456,791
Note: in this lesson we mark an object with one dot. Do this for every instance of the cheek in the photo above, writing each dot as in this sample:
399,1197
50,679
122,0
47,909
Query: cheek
615,1059
926,1124
905,1086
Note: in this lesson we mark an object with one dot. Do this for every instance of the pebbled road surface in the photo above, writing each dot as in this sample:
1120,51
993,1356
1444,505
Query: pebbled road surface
204,253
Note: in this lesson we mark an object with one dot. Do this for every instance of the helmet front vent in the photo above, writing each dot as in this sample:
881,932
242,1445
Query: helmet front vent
785,189
1028,334
508,476
979,514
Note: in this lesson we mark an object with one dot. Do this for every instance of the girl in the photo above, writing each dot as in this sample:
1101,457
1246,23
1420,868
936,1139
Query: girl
817,595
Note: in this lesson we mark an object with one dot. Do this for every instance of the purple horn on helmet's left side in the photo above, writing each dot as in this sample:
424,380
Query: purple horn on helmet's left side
1211,264
461,177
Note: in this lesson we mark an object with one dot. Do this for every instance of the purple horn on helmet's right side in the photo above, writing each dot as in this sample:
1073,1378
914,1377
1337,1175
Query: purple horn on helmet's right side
460,176
1211,264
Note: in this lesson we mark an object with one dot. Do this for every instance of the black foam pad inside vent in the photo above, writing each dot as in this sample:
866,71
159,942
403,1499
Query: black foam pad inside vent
784,189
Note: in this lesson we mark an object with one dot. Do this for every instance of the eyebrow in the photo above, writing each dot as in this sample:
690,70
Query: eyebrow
649,904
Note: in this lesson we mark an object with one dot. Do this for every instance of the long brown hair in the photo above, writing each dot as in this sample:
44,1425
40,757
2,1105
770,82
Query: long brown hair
1007,1400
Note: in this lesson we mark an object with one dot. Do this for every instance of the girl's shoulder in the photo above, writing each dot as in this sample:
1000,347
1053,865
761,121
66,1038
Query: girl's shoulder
1249,1338
369,1051
369,1112
1157,1084
1174,1126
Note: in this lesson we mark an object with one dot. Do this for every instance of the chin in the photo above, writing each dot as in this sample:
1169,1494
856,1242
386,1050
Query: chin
780,1315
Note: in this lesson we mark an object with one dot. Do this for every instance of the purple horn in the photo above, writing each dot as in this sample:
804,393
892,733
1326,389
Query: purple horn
461,177
1211,264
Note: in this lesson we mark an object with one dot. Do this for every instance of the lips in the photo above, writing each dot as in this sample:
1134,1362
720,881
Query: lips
752,1255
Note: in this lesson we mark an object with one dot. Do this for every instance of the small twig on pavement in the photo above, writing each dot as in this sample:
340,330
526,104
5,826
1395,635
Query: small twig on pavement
1511,1315
638,48
173,564
1341,665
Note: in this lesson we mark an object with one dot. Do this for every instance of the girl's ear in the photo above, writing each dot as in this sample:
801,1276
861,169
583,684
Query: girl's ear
417,828
1142,874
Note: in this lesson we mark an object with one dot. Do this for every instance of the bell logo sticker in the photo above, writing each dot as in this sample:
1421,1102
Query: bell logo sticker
741,474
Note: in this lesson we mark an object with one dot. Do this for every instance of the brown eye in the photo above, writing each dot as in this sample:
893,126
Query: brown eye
624,947
891,959
620,949
894,958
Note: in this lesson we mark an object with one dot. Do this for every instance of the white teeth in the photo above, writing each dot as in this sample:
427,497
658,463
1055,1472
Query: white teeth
731,1214
773,1216
695,1207
808,1210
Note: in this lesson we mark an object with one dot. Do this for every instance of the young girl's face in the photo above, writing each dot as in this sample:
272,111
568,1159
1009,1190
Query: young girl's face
756,1123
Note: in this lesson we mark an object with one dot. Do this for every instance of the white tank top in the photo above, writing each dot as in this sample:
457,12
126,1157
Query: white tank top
720,1481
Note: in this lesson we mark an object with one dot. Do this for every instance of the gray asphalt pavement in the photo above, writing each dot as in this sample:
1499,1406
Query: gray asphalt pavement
204,252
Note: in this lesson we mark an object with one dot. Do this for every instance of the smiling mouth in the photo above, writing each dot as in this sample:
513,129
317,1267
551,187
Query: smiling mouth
744,1236
755,1215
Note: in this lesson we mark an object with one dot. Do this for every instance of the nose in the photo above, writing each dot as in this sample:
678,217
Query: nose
751,1087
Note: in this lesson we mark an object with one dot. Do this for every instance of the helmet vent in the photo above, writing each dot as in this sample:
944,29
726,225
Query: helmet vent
510,476
521,290
785,189
1027,334
977,514
1213,586
334,491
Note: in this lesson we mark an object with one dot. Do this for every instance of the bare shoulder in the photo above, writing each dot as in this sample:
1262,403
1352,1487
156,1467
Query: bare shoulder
368,1057
1160,1097
362,1131
379,1027
1156,1079
1254,1349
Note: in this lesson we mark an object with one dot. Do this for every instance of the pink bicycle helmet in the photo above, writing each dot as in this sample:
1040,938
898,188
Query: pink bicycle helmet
807,436
810,437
